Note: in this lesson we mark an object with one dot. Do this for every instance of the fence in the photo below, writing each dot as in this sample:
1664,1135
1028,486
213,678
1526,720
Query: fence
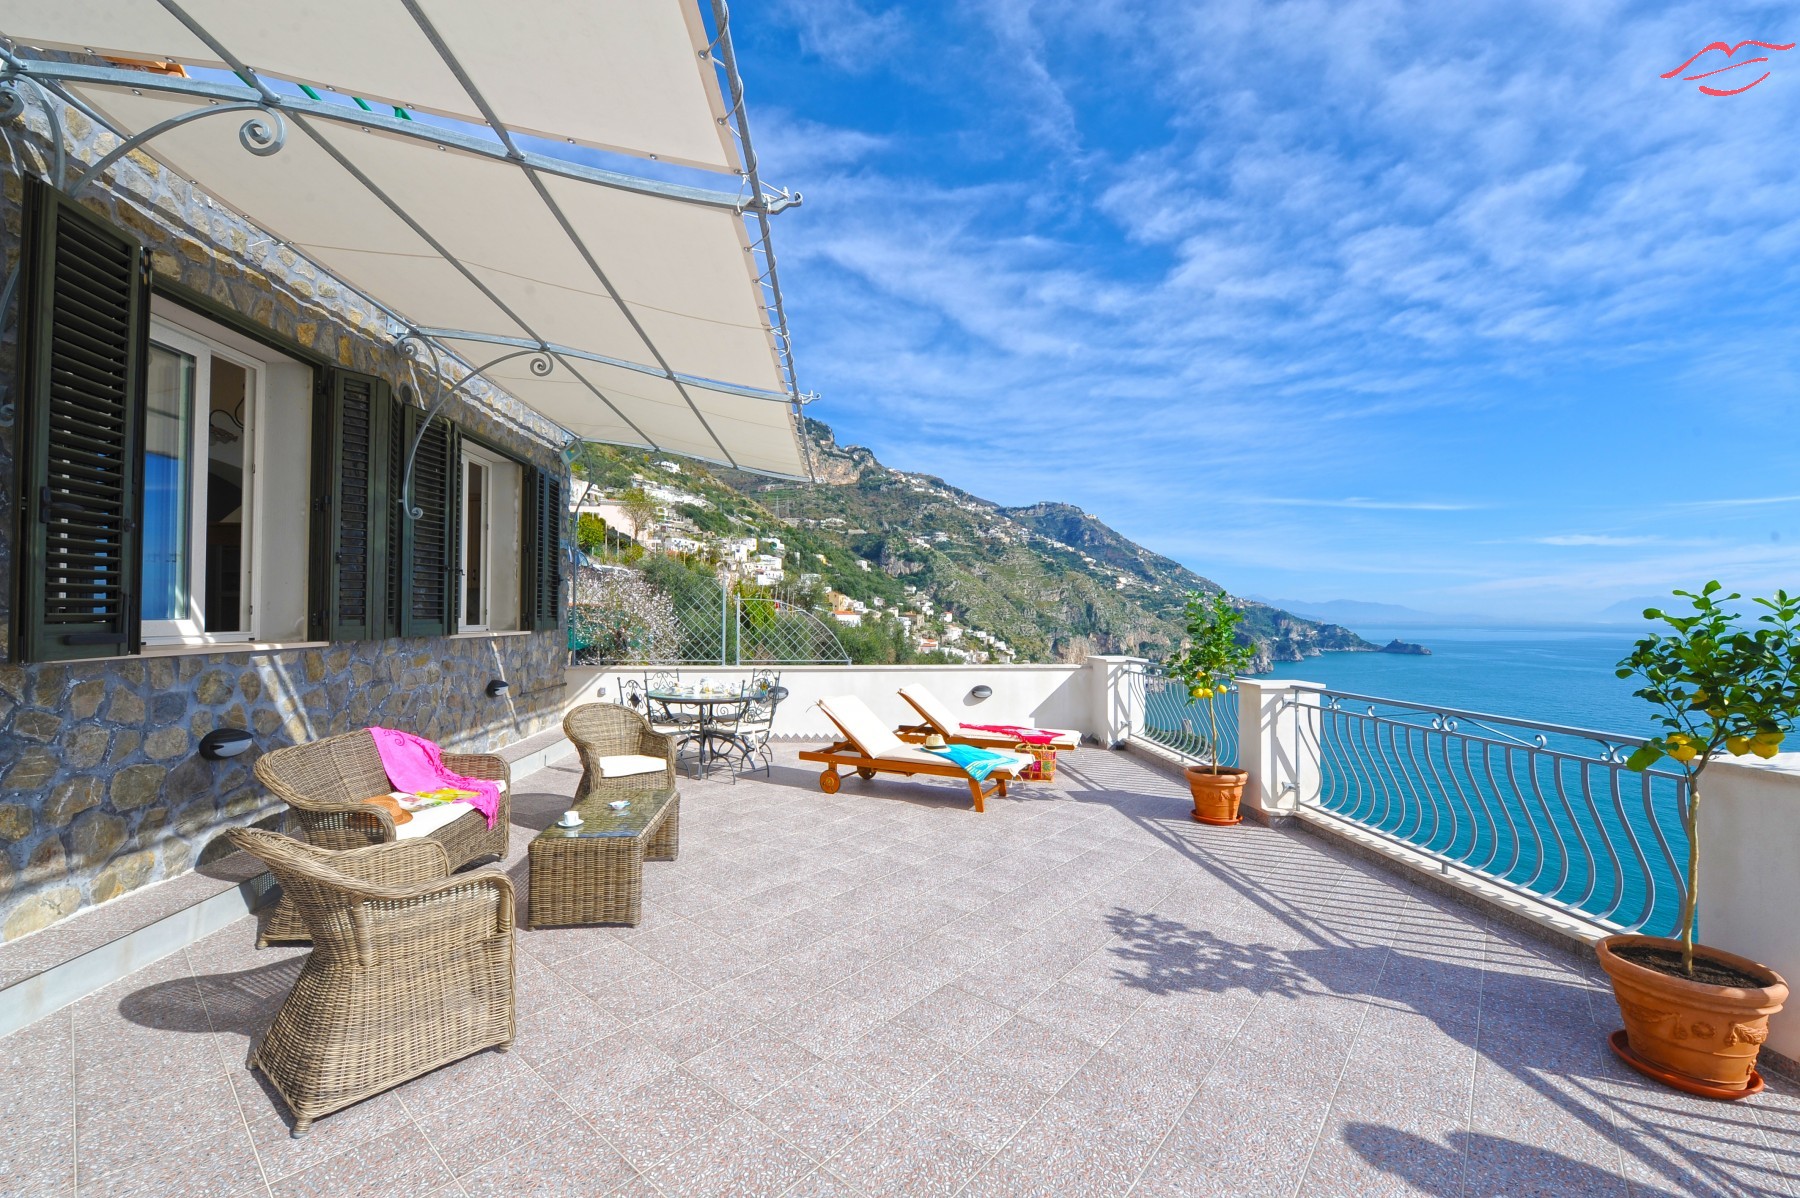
1175,719
685,618
1546,810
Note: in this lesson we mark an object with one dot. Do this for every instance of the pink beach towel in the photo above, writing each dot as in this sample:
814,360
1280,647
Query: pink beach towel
415,765
1030,736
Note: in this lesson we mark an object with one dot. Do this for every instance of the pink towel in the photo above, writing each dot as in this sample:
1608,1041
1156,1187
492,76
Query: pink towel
415,765
1030,736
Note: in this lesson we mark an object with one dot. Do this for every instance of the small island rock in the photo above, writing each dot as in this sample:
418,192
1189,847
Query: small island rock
1399,646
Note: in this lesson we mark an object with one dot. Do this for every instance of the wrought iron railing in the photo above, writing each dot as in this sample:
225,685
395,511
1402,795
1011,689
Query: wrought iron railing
1175,719
1542,809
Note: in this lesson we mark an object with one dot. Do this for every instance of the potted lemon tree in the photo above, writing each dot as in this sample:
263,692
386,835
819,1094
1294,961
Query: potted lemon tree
1696,1016
1205,665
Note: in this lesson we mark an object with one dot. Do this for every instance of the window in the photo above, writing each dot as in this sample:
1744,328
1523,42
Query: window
180,482
490,542
220,512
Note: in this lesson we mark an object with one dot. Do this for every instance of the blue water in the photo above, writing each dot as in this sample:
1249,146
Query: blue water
1556,822
1554,676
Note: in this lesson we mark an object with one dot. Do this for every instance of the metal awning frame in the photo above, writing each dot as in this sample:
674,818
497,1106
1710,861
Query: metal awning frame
49,78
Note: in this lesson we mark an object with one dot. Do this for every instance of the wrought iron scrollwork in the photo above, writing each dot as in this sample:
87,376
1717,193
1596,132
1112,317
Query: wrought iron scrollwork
415,348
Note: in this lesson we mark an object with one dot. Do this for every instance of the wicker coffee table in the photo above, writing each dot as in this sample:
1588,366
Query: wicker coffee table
594,872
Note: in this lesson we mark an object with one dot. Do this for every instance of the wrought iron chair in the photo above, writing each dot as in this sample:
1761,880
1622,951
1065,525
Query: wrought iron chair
411,968
755,721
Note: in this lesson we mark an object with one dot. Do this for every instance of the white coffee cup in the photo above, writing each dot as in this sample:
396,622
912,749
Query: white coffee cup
570,818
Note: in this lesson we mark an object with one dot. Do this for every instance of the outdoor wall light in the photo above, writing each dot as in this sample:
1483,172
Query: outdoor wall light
498,688
981,692
225,742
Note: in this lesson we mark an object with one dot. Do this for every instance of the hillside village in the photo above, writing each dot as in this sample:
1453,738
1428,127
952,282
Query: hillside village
908,567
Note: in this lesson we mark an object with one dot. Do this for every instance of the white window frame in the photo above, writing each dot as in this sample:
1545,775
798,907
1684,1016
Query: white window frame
472,460
191,629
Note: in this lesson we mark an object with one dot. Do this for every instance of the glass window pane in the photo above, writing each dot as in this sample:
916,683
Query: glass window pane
225,488
475,546
168,471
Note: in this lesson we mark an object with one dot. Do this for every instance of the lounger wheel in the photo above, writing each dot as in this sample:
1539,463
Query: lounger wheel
864,772
829,781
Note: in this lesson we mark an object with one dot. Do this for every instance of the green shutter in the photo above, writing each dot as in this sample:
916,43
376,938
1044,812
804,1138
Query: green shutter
429,568
350,489
85,308
541,582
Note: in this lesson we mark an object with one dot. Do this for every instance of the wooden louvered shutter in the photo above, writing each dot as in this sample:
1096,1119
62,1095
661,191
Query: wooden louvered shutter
84,339
350,525
541,574
429,567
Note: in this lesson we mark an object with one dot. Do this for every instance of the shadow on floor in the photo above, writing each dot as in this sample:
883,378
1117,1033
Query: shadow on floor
1472,1165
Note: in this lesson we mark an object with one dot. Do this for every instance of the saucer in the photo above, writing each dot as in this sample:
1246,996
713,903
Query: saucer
563,823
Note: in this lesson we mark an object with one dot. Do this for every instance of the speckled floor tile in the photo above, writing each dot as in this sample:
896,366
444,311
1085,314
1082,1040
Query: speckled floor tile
659,1117
749,1067
825,1107
561,1163
1077,992
740,1158
908,1154
389,1166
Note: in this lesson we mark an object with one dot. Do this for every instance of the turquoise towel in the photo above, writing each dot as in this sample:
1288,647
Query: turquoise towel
979,763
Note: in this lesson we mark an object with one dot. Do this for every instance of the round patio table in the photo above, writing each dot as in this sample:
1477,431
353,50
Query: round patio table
706,705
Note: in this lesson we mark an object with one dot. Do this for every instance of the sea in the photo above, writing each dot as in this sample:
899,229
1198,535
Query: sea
1552,675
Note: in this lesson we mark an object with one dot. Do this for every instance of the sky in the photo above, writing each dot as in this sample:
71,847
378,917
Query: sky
1459,306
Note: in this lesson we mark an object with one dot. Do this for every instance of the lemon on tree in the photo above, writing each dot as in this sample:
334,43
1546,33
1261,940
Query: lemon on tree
1721,684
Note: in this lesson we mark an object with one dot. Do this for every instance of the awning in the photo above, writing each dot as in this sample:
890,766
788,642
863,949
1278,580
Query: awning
653,305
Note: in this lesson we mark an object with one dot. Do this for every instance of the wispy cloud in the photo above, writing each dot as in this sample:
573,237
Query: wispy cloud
1586,539
1760,501
843,32
1355,501
1178,257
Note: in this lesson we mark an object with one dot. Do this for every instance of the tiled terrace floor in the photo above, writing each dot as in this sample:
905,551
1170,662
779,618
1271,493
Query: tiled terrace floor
1080,992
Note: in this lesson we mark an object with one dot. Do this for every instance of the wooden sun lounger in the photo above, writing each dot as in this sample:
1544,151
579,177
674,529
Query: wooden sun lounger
869,748
940,721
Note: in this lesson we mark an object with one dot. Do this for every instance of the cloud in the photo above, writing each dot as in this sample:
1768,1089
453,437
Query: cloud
843,32
1393,255
1760,501
1592,539
1354,501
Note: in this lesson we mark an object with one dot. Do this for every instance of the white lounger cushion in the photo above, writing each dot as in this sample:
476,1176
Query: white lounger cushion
939,716
429,820
626,765
869,734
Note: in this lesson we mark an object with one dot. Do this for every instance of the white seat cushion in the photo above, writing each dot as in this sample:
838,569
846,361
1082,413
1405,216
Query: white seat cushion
626,765
862,726
430,819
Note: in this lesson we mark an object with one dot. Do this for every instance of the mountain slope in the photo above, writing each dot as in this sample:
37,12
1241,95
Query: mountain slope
1049,580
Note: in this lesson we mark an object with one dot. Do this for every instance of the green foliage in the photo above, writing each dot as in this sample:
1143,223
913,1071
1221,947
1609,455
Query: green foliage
709,520
640,509
1214,654
590,533
1718,686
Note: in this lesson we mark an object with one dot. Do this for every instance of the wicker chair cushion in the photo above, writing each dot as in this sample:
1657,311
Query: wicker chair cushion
626,765
429,820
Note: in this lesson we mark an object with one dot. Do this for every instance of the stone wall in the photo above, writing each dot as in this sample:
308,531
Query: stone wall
101,787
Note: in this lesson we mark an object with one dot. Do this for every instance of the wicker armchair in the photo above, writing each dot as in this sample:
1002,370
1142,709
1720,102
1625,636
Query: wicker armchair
411,968
605,730
324,784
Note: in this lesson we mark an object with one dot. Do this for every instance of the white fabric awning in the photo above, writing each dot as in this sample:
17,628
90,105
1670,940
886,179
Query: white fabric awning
653,301
624,75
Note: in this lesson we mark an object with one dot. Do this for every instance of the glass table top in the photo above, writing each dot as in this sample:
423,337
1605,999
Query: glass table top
599,820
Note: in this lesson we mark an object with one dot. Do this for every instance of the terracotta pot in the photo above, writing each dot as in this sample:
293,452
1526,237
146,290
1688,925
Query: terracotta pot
1704,1035
1216,796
